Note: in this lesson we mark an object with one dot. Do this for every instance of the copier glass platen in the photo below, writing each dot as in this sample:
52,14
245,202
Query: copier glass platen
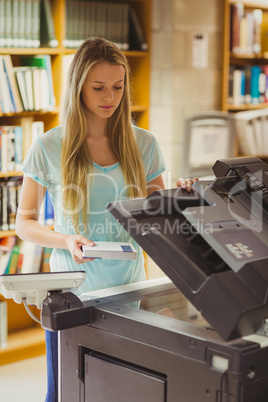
199,334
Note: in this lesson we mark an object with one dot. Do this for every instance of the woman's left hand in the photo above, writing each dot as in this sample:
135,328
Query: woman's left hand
186,184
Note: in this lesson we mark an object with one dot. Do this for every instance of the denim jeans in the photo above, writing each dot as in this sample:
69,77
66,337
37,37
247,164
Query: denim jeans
52,366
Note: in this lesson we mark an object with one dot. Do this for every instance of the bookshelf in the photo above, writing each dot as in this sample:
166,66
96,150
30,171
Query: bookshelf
241,56
245,68
25,338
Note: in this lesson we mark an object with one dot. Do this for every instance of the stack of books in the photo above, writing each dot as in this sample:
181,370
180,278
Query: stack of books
115,21
10,188
245,30
252,132
18,256
248,85
26,23
15,140
27,87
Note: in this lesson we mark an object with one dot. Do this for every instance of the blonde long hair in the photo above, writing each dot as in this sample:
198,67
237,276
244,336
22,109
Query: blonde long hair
75,160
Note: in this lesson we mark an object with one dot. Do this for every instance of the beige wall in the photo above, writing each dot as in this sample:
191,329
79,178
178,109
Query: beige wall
177,89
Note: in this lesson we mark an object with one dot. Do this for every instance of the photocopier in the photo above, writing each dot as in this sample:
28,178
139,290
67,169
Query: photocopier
198,334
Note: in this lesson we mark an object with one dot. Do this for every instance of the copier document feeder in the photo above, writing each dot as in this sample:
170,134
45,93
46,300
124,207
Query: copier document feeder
199,334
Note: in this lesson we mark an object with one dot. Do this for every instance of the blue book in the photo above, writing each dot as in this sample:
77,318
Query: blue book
243,86
49,210
13,108
254,84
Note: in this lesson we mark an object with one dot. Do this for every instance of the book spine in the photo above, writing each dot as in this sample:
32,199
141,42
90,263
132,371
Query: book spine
2,23
47,33
12,269
49,211
11,164
22,24
20,78
36,23
8,15
136,36
29,87
11,97
18,147
15,23
4,206
45,261
257,17
6,105
11,204
4,147
28,24
12,83
237,87
247,85
255,92
262,86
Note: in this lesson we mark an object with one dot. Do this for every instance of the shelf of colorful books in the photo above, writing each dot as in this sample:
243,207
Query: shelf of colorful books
245,55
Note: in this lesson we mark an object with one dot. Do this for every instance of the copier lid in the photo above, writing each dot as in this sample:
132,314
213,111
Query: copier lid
185,234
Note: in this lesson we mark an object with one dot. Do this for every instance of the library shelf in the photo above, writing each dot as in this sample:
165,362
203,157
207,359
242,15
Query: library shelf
245,60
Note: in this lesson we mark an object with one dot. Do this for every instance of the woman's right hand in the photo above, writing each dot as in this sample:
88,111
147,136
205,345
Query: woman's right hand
74,244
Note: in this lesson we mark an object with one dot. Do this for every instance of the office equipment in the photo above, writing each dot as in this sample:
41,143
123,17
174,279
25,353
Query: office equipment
213,245
33,288
144,341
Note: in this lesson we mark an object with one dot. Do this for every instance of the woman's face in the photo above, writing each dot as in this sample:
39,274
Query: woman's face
103,89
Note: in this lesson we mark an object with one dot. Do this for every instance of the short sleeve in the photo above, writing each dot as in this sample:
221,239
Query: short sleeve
153,160
35,164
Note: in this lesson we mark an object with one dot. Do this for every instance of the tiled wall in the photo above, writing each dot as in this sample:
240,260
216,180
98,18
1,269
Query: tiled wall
177,89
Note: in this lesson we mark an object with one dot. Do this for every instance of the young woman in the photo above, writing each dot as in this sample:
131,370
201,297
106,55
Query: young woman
94,157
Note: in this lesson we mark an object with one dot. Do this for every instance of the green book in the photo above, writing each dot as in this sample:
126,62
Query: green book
12,266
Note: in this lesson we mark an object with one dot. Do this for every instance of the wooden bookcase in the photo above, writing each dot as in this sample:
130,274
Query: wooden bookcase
243,59
26,338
